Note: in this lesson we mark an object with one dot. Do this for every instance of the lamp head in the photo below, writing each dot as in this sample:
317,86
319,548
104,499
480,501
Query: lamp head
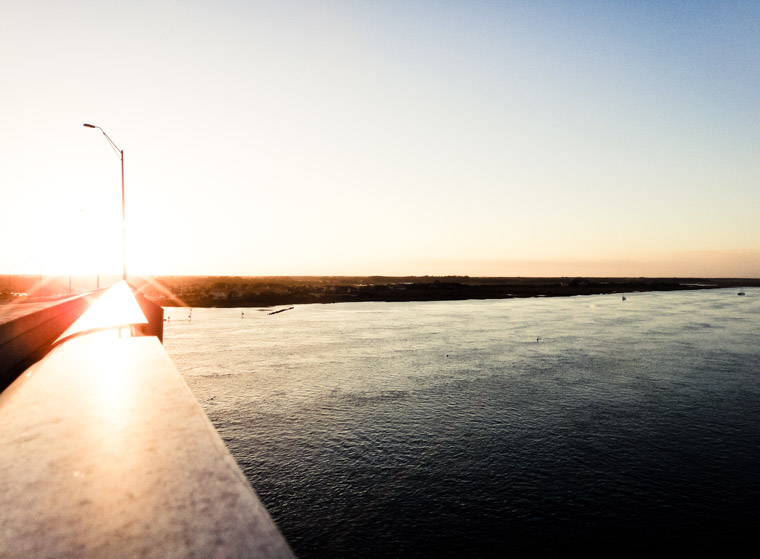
89,126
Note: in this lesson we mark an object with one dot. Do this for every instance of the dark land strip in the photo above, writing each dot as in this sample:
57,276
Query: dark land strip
269,291
274,291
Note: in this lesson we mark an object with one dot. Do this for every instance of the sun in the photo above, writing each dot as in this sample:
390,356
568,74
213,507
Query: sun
70,240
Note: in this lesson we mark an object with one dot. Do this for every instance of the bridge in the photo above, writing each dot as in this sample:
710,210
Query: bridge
104,451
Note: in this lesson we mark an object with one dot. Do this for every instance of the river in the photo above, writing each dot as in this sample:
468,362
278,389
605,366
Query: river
542,426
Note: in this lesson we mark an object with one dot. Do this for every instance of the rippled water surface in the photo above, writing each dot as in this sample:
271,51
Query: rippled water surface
485,427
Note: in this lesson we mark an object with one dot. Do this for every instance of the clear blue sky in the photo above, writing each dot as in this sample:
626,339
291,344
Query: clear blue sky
480,138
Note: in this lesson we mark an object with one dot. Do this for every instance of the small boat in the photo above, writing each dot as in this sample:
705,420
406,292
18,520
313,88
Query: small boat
741,294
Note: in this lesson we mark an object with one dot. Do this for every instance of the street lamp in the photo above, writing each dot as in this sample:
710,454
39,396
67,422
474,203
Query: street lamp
120,153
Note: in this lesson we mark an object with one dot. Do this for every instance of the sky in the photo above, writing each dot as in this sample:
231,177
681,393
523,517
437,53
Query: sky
381,138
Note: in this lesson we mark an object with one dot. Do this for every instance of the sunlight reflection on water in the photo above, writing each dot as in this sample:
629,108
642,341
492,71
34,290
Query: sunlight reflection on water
426,429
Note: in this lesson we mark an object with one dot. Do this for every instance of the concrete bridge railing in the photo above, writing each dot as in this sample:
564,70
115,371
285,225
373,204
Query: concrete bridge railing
104,452
28,330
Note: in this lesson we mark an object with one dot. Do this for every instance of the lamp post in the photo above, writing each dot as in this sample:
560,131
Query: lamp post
120,153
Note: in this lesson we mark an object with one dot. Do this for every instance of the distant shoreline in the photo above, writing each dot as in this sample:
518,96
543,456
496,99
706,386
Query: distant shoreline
228,292
271,291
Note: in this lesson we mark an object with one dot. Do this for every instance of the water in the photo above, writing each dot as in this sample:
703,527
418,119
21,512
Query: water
442,429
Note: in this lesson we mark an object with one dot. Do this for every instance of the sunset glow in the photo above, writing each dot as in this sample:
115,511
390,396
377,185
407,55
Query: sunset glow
293,138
